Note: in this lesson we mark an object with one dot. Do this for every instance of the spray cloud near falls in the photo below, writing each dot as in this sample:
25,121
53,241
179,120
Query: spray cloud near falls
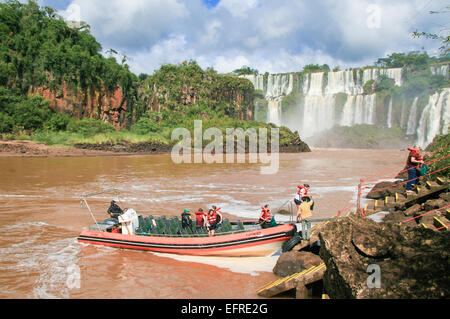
314,103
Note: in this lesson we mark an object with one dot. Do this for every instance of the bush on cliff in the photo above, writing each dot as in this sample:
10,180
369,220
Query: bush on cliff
440,149
89,127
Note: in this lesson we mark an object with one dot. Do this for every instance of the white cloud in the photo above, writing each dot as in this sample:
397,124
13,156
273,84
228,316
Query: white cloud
238,8
272,36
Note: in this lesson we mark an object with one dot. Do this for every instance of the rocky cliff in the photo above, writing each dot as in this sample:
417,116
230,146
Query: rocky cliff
178,88
108,106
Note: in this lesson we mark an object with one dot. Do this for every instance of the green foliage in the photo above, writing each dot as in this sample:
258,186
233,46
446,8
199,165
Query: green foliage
413,61
245,70
6,123
384,83
89,127
185,90
144,126
440,149
38,48
316,68
369,87
58,122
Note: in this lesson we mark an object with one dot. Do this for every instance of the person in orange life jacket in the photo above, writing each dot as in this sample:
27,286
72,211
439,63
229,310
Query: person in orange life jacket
200,218
214,217
413,164
265,219
304,209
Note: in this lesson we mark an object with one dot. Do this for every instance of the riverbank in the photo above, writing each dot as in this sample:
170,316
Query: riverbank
27,148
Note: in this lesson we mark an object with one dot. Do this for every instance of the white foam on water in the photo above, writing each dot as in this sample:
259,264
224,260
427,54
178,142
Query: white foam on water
242,265
50,260
53,260
22,196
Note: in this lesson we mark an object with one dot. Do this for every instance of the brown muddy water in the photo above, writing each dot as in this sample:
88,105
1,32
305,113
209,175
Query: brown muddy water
41,216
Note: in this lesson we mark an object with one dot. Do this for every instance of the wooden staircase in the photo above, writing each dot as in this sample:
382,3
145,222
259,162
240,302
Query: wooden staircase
437,220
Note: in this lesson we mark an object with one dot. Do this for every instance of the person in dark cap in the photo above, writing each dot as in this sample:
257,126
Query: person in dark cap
114,210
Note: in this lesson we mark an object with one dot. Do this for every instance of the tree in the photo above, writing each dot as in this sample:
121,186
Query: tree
245,70
444,39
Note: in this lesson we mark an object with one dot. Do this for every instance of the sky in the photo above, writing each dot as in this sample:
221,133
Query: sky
274,36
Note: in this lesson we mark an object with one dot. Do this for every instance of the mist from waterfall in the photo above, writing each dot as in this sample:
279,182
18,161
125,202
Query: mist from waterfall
328,99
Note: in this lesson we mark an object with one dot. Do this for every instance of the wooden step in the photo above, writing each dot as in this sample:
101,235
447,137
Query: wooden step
423,226
303,278
438,223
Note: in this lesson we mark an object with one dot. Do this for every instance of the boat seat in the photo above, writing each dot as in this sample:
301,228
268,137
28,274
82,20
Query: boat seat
142,225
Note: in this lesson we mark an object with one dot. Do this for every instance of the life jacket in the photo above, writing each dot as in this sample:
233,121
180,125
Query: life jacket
413,153
212,218
266,216
302,189
199,218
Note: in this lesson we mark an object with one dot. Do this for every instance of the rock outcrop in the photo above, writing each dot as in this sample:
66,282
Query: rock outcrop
110,107
413,262
294,261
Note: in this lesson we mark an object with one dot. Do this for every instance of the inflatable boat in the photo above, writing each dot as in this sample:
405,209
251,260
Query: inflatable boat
232,239
235,239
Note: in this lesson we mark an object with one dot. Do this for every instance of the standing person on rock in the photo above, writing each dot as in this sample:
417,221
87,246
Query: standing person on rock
413,164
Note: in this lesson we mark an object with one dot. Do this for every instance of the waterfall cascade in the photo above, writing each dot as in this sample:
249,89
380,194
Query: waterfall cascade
320,109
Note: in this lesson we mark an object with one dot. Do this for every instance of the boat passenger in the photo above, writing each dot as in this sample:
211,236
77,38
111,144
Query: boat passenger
200,218
304,209
114,210
186,219
214,217
266,219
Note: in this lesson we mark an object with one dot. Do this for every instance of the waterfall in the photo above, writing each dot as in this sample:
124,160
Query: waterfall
343,81
359,109
278,86
440,70
389,115
274,115
412,120
395,74
337,98
435,118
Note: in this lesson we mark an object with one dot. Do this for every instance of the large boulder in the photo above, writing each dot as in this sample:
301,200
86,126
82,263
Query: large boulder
293,262
413,262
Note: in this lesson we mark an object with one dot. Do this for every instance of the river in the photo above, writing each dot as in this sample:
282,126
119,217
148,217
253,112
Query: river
41,216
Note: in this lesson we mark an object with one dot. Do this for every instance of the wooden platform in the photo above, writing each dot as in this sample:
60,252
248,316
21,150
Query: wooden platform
296,281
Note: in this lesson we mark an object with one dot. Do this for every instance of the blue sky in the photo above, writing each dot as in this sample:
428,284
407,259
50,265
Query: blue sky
271,36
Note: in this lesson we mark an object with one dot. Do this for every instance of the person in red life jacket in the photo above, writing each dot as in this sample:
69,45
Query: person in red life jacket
265,219
214,217
200,218
302,192
413,165
115,230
